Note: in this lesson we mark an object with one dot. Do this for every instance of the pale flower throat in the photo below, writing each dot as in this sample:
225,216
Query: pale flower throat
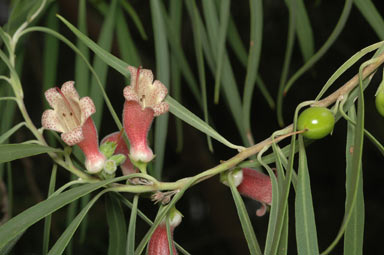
68,112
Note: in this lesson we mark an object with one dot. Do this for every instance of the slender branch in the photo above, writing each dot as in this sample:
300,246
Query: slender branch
351,84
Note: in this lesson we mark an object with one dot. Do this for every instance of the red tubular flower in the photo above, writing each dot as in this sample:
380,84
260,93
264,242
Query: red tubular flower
255,185
72,117
122,148
143,101
158,245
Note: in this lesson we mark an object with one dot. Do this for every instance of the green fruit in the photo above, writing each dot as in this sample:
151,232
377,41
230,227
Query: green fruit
380,102
319,122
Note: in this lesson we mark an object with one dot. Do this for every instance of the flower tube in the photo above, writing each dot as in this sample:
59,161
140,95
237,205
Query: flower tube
158,245
255,185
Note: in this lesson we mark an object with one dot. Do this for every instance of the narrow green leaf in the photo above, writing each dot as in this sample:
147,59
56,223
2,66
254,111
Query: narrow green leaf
184,114
283,244
175,17
66,237
200,66
10,132
163,74
304,31
101,68
8,248
169,236
127,47
116,225
9,152
283,203
306,235
18,15
246,224
47,220
287,61
132,13
229,87
275,203
355,173
256,11
220,44
10,189
51,50
104,55
72,210
6,39
177,49
324,48
50,58
331,39
346,65
236,44
84,224
81,69
274,206
354,232
370,13
132,227
24,220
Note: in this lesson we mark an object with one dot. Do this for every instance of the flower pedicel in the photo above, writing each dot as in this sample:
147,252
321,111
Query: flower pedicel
143,101
72,117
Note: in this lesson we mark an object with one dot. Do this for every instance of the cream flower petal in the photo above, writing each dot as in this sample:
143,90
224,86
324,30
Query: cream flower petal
160,108
145,78
87,108
133,71
160,90
53,97
148,93
69,91
50,121
73,137
130,94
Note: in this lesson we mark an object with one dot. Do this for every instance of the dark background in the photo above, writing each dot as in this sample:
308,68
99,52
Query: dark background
210,224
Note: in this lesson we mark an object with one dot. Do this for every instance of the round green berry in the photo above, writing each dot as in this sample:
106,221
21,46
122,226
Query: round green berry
380,102
318,121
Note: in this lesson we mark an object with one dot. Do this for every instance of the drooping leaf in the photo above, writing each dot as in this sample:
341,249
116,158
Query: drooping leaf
163,74
9,152
354,232
60,245
306,235
116,225
246,224
132,227
24,220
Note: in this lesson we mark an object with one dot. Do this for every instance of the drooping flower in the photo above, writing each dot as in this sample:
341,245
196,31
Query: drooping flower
255,185
121,148
158,244
72,117
143,101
